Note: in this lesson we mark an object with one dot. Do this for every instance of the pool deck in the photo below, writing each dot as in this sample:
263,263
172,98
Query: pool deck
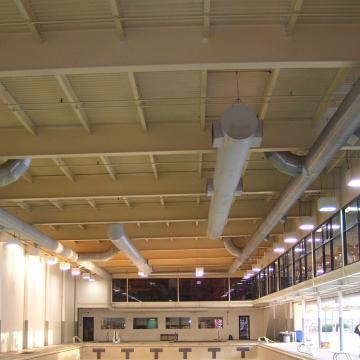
289,349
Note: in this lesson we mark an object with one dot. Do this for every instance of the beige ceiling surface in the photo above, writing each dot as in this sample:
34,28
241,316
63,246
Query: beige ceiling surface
157,183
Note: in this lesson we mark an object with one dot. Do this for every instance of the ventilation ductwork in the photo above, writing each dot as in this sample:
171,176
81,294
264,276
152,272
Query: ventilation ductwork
288,163
104,256
118,237
233,136
341,126
12,170
12,223
231,247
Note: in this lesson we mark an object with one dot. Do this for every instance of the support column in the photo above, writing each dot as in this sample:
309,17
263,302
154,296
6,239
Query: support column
303,312
341,323
25,313
318,301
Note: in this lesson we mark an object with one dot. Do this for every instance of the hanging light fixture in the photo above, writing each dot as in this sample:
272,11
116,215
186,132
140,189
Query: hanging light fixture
86,276
290,238
306,223
255,268
12,242
64,266
327,204
353,177
278,247
199,272
52,260
75,271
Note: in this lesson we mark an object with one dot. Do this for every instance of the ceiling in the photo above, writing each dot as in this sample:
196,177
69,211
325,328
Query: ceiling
133,145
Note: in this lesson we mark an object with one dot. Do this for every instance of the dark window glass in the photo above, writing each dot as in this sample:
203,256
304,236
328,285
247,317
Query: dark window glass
337,252
119,290
327,249
309,266
335,225
241,289
113,323
152,290
178,323
319,258
145,323
351,215
211,323
203,289
298,272
352,245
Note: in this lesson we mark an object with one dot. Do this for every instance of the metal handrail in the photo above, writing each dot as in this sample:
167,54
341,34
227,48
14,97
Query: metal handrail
347,355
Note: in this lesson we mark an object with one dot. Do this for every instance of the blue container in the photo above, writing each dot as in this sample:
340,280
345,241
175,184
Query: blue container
299,336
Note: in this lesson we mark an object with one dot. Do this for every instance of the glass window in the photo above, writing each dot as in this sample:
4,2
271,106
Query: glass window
335,225
241,289
145,323
309,266
337,252
113,323
319,258
210,323
152,290
178,323
352,245
351,215
329,315
203,289
327,250
351,318
311,322
119,290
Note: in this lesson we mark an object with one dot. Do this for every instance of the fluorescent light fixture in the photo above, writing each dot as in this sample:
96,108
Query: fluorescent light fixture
298,250
199,272
92,278
64,266
353,178
12,242
52,260
335,226
142,274
86,276
278,248
327,204
351,209
75,271
250,274
307,223
255,268
290,238
271,269
319,271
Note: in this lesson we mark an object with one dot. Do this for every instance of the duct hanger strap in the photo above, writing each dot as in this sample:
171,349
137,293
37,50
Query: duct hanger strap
11,170
288,163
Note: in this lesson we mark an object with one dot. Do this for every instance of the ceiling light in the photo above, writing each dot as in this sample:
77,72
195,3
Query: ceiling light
351,209
64,266
307,223
92,278
86,276
278,248
142,274
12,242
327,204
249,275
255,268
75,271
52,260
353,178
290,238
199,272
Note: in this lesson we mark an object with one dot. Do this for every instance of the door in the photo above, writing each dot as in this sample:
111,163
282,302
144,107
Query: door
244,327
88,329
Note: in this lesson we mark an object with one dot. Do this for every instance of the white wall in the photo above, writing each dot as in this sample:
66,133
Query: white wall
230,326
278,317
31,294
